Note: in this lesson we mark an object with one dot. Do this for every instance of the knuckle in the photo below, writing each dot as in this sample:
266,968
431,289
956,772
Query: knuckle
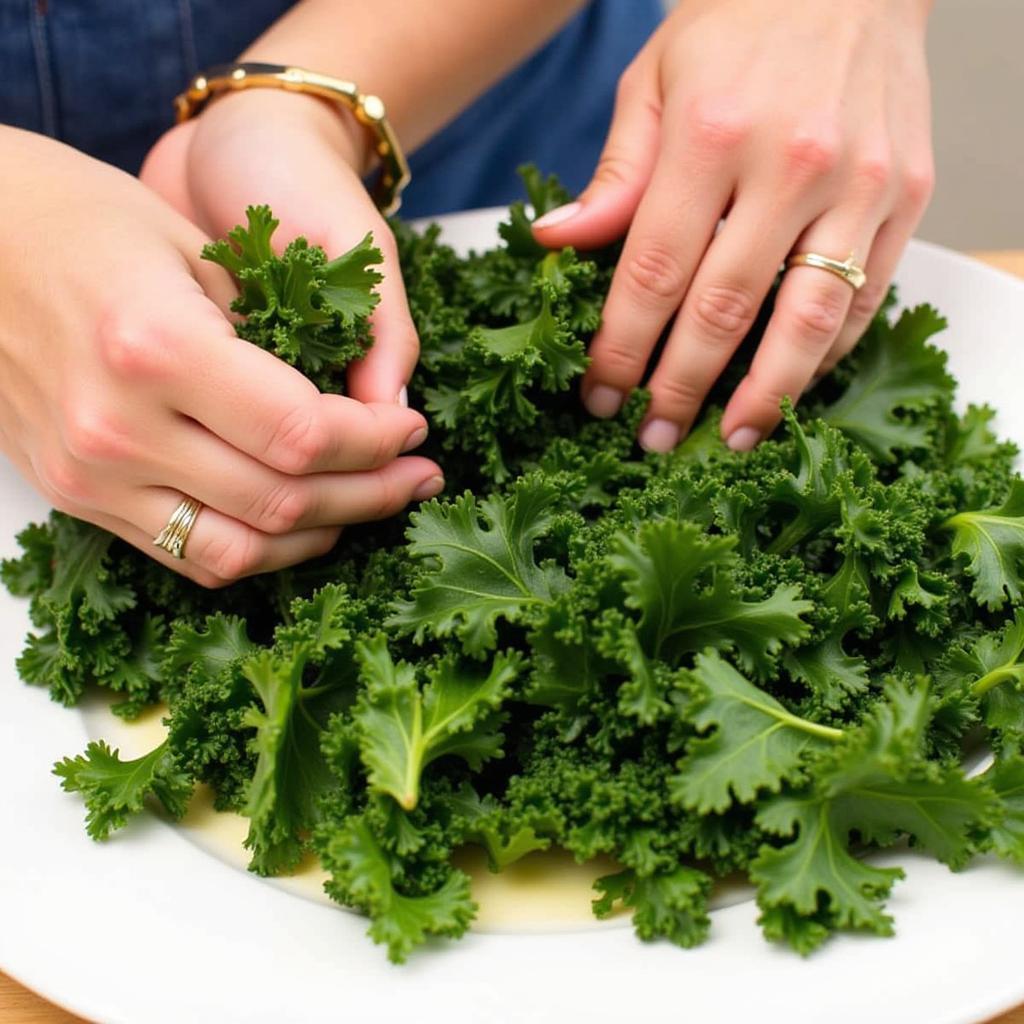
129,348
282,509
300,441
866,302
385,445
614,168
619,361
719,127
873,174
92,435
818,318
811,155
61,475
919,184
232,557
677,393
723,312
387,498
655,273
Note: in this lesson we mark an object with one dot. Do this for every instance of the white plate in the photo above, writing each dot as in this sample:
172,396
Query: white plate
149,927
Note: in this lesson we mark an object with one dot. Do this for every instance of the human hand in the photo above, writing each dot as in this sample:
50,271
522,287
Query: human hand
123,385
301,156
806,126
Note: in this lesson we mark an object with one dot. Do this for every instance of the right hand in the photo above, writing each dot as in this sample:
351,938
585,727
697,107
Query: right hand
123,385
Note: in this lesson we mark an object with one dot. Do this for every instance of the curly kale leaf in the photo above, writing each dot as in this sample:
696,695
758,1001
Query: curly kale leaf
671,904
365,876
682,581
307,310
1006,778
403,728
992,542
877,782
480,565
898,376
755,743
114,790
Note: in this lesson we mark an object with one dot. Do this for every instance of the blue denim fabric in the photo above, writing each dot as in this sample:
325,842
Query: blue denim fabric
101,75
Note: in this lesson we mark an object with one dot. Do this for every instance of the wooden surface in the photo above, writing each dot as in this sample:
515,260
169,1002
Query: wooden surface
19,1006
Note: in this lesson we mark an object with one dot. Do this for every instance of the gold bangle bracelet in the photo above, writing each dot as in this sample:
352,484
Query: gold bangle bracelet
368,110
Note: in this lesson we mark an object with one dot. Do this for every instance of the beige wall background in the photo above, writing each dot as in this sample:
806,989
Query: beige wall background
976,57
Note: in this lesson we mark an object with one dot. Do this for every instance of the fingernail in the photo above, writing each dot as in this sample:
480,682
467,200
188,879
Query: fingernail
659,436
742,439
403,397
558,215
415,439
603,401
431,486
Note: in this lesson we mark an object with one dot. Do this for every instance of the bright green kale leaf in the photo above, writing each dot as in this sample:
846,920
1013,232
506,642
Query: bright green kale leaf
114,790
992,670
291,771
308,311
822,483
681,581
480,565
817,865
992,542
207,650
671,905
481,820
543,194
876,781
1006,778
898,375
82,571
403,728
363,876
755,744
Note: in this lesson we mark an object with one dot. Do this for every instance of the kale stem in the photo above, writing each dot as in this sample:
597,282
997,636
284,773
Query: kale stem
994,678
790,536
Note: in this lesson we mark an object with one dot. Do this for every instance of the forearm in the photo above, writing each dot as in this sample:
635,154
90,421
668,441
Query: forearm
426,61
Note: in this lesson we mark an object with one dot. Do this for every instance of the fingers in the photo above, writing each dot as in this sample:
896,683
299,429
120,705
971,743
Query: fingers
186,355
220,549
889,244
729,287
605,208
671,231
195,462
810,309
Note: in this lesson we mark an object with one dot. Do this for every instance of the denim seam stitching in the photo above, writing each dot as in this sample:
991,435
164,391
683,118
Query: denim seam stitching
44,68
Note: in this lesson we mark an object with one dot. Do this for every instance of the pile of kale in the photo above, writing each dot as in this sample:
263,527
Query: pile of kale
699,664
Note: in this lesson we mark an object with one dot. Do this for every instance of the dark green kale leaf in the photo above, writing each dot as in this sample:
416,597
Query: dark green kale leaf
992,542
755,744
310,311
479,565
114,790
899,376
364,876
403,728
681,580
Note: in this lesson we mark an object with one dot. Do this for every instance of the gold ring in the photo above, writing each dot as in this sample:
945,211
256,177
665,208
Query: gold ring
174,536
852,273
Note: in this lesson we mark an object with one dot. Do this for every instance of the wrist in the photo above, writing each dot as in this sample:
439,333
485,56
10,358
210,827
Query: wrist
250,111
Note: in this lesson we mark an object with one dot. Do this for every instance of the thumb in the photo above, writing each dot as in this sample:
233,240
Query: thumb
605,208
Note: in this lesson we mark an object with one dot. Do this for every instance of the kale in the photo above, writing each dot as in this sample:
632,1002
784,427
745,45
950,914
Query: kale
697,664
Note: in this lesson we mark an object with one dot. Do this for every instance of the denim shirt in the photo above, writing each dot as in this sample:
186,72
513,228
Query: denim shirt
101,75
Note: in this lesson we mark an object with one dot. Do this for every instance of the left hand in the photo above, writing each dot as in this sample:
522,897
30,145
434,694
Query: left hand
303,157
805,125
